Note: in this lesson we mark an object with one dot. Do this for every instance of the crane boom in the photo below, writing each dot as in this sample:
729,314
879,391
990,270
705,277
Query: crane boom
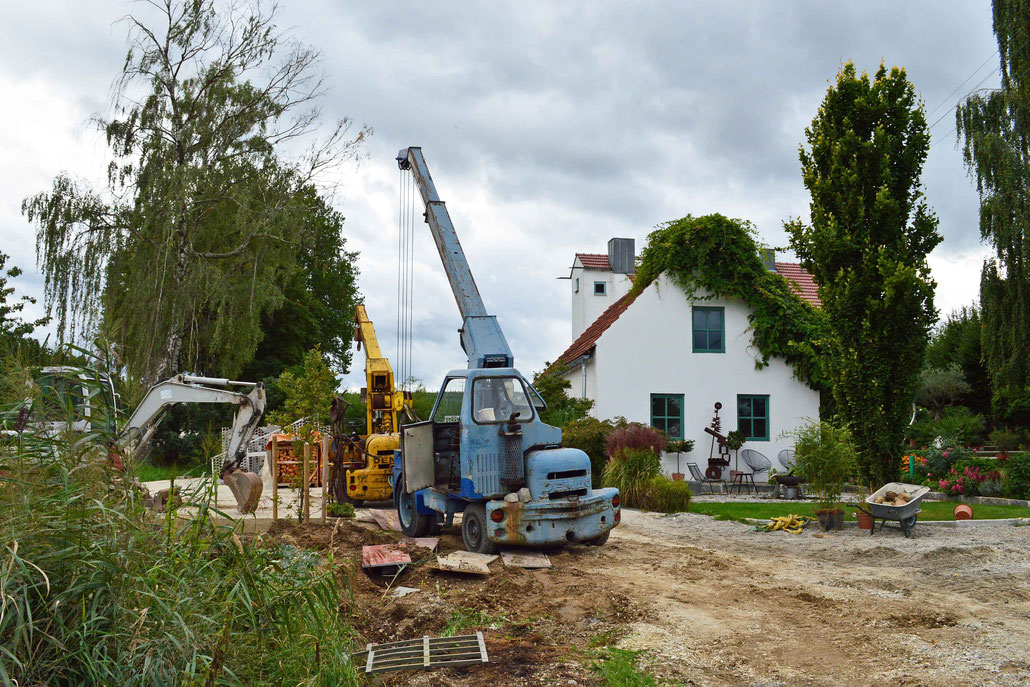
382,400
481,335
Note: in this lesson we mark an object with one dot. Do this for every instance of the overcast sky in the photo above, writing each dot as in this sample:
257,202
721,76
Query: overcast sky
548,127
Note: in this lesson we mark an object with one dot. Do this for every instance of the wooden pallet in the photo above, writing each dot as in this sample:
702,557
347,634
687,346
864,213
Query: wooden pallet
428,652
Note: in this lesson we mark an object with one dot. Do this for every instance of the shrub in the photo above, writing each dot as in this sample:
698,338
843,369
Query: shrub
340,510
940,459
1005,439
632,471
666,496
636,435
825,457
590,435
1017,476
967,476
957,422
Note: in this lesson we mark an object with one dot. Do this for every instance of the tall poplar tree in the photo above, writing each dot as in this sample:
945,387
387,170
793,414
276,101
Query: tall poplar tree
203,221
866,246
994,128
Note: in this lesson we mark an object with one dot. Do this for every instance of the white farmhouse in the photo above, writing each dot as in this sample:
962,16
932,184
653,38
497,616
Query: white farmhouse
659,358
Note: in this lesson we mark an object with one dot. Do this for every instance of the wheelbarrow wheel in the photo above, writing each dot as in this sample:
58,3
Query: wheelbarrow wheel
908,523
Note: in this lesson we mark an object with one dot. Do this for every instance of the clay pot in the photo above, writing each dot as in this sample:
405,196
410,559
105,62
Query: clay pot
963,511
865,521
677,477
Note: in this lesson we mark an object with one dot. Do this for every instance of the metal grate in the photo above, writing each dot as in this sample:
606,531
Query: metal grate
426,653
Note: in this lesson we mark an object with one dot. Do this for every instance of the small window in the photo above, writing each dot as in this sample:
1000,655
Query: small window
448,404
576,285
600,288
709,329
667,414
753,417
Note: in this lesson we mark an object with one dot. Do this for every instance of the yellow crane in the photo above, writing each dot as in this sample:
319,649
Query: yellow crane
370,467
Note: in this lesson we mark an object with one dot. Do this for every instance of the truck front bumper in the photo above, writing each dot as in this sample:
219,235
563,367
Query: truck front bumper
552,521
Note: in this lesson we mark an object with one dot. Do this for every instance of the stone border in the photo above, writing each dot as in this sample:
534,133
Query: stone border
954,524
982,500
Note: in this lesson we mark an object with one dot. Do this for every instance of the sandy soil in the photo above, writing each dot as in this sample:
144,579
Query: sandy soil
716,603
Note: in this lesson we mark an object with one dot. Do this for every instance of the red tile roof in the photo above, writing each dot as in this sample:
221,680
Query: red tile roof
804,284
592,333
594,261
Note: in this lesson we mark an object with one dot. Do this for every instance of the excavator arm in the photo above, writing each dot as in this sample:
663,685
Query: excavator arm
246,486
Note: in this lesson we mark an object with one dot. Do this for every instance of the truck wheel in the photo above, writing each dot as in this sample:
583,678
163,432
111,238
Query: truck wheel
413,523
473,529
599,541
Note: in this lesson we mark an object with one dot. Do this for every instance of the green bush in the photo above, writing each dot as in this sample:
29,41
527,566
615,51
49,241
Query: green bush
340,510
825,457
590,435
667,496
940,459
959,423
631,471
1005,439
1017,476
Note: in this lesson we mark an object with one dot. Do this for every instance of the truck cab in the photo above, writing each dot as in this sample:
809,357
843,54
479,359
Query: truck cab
485,452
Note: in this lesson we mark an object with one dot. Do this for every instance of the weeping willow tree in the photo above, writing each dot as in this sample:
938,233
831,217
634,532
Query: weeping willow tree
994,129
203,217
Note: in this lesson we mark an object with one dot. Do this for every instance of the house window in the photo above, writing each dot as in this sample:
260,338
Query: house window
709,325
753,417
577,285
667,414
600,288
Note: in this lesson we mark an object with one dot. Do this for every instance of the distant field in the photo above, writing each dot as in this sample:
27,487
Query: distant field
932,510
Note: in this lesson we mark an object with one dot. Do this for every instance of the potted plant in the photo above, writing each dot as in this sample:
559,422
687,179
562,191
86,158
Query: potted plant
679,447
734,440
826,458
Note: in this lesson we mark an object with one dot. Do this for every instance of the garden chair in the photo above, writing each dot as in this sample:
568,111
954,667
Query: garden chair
757,463
697,476
786,458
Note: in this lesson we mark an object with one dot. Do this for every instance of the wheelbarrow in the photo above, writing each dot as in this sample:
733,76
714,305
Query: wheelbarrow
905,515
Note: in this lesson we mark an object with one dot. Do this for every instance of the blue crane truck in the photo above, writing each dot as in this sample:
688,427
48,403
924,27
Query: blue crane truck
484,452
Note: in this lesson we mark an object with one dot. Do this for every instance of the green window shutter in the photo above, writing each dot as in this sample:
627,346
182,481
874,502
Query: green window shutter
667,414
753,416
708,325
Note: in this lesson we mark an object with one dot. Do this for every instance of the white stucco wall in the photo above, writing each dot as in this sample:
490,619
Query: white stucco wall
585,305
648,350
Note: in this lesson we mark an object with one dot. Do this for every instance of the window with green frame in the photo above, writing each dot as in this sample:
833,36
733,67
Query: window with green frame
753,416
667,414
709,327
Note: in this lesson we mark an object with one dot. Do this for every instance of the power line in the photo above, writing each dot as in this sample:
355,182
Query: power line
975,89
946,99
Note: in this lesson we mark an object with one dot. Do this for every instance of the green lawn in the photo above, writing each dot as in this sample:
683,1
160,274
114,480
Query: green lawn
932,510
151,473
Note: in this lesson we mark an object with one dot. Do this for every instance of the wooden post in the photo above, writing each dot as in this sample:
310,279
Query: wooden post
306,483
275,477
325,474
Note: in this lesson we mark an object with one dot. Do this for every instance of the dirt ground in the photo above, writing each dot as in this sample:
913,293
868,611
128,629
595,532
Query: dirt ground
716,603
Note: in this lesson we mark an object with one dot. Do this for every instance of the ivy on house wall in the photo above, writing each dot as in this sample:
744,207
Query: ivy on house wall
714,256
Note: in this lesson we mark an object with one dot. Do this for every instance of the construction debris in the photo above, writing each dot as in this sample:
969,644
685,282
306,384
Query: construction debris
401,592
518,558
384,558
387,519
425,653
466,562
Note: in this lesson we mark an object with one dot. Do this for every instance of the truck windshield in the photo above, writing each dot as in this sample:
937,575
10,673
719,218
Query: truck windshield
495,399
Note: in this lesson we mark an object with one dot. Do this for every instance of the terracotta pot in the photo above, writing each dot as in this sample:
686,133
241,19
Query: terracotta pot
865,521
677,477
963,511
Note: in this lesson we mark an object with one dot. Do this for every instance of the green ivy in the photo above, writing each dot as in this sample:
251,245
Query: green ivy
717,257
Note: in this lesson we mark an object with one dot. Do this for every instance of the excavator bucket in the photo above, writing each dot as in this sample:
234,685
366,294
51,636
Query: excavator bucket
246,487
